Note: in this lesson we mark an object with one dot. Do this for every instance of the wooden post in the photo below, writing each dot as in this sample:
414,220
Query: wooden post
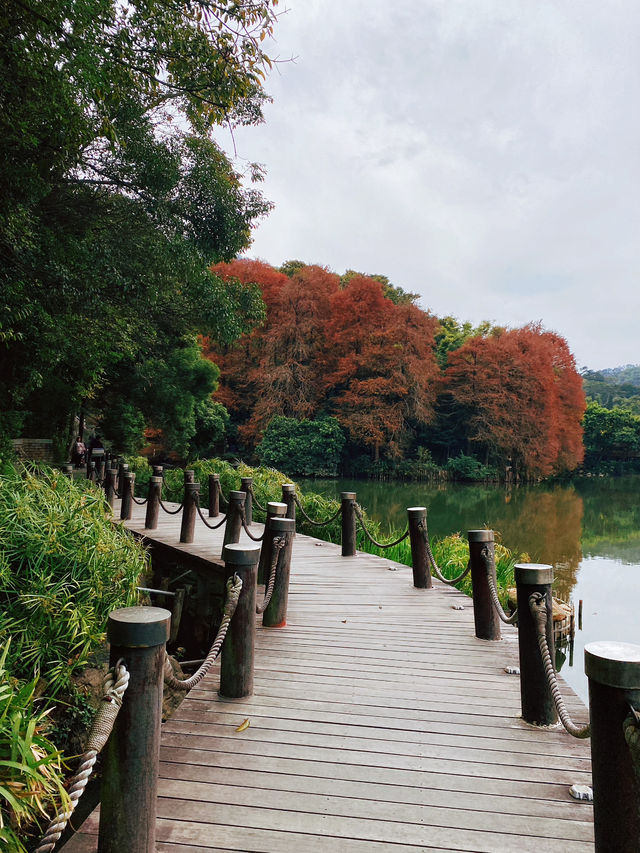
233,524
176,613
91,471
123,467
486,618
275,616
187,527
613,670
245,486
158,471
67,470
289,498
274,510
153,503
538,707
214,495
131,756
127,484
419,563
236,664
189,476
109,485
348,503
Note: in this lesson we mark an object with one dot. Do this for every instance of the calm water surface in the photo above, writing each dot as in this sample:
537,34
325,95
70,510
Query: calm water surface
589,531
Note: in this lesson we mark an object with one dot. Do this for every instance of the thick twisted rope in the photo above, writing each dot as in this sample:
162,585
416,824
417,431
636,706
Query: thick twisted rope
373,541
538,607
243,519
115,683
310,520
508,620
202,517
234,588
422,527
171,511
277,546
255,500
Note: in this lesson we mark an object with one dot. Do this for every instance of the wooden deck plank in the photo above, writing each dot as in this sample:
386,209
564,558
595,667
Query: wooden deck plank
378,723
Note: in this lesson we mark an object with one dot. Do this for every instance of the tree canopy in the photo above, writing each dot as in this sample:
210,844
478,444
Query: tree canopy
115,198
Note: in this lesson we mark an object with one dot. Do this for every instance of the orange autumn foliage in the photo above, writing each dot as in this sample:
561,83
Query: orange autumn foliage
519,398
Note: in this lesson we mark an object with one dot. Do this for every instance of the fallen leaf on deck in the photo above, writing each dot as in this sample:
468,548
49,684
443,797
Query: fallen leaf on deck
243,726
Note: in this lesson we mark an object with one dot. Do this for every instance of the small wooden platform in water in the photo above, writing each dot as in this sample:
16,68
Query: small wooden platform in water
378,723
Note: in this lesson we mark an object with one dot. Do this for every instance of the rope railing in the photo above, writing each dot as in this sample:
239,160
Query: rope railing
493,592
115,684
243,519
255,500
171,511
422,527
204,520
277,545
234,588
139,501
538,607
360,517
310,520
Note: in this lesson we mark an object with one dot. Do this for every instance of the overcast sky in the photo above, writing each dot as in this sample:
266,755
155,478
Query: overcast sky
482,153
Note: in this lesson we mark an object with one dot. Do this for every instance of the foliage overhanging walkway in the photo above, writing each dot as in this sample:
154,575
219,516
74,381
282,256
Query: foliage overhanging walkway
379,723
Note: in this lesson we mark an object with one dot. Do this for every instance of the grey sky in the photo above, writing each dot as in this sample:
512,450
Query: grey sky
483,153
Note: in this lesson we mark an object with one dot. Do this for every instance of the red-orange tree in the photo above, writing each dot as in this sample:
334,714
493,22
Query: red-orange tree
517,399
380,365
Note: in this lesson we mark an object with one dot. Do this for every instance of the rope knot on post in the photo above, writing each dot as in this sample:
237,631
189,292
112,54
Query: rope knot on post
485,555
539,613
234,588
115,684
277,545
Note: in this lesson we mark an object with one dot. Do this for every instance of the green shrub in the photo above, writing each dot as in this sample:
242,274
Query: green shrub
469,468
64,566
304,448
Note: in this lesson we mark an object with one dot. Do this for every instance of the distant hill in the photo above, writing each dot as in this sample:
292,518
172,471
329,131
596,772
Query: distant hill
614,386
629,374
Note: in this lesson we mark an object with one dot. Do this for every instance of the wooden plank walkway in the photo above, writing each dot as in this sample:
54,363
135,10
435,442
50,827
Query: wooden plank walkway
378,723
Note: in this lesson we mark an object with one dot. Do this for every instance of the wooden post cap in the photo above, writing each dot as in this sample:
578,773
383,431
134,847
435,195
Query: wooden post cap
139,627
241,555
614,664
532,574
289,488
348,496
276,508
282,525
416,511
480,535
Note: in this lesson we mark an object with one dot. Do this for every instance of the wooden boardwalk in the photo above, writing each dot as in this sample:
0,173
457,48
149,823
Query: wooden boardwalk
378,723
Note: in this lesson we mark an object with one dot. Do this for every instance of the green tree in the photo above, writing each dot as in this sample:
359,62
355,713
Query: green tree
303,447
610,435
114,198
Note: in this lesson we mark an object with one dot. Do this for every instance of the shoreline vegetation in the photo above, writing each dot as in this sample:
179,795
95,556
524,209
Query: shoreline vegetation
63,567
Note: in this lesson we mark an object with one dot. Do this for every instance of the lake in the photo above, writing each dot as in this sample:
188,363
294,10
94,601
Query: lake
588,530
